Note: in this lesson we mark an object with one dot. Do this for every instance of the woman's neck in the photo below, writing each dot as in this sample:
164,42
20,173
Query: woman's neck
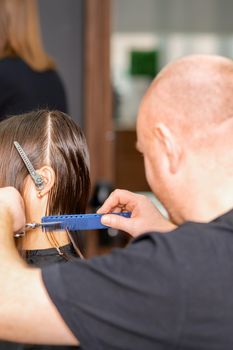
35,209
38,239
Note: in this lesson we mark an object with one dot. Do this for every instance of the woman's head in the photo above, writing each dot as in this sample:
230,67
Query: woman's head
57,149
20,33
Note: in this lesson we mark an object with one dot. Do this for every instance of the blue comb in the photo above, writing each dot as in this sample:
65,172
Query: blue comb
76,222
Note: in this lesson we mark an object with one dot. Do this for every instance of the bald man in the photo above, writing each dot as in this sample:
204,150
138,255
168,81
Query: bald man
170,288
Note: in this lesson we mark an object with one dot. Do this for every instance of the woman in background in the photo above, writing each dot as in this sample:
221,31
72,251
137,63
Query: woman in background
56,148
28,79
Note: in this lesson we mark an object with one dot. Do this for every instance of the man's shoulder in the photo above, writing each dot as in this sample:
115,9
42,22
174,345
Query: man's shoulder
177,255
190,240
191,230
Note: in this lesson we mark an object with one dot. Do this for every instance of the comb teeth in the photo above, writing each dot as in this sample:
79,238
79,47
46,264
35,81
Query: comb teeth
76,222
56,226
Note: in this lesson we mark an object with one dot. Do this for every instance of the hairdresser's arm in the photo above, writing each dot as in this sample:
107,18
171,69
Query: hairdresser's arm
145,216
26,312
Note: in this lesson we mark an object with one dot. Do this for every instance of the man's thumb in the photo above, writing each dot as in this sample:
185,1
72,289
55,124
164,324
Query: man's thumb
116,221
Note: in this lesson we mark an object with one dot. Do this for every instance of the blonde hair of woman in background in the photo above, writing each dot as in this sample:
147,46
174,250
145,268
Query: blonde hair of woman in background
20,34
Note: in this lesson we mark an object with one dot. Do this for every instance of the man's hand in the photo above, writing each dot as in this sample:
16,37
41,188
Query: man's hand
145,216
11,200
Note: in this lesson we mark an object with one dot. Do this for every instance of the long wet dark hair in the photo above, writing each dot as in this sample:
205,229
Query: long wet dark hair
48,138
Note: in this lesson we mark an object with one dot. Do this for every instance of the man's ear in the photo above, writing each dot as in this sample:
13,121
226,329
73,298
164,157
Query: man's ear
48,175
170,145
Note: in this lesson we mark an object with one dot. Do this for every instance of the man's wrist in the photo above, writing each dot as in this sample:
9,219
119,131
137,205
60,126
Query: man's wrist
6,232
6,221
9,255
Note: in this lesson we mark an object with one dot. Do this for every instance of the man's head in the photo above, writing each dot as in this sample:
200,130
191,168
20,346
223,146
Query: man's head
185,132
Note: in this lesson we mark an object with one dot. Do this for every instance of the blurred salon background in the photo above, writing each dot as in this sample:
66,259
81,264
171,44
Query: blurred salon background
107,53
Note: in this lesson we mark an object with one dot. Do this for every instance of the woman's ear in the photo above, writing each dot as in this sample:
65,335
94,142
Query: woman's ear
48,175
170,145
36,200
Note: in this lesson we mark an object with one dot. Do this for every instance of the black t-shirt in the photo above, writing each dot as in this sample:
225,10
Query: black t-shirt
164,291
41,258
22,89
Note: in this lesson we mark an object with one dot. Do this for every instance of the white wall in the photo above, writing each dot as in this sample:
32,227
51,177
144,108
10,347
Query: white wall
172,15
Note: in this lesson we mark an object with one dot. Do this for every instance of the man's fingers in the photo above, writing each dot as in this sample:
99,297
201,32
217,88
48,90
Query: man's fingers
112,203
117,201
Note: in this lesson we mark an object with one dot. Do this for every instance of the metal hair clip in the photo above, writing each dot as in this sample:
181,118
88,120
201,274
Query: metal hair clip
38,179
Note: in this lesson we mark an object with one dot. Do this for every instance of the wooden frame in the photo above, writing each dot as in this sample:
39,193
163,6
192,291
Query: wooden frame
98,123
